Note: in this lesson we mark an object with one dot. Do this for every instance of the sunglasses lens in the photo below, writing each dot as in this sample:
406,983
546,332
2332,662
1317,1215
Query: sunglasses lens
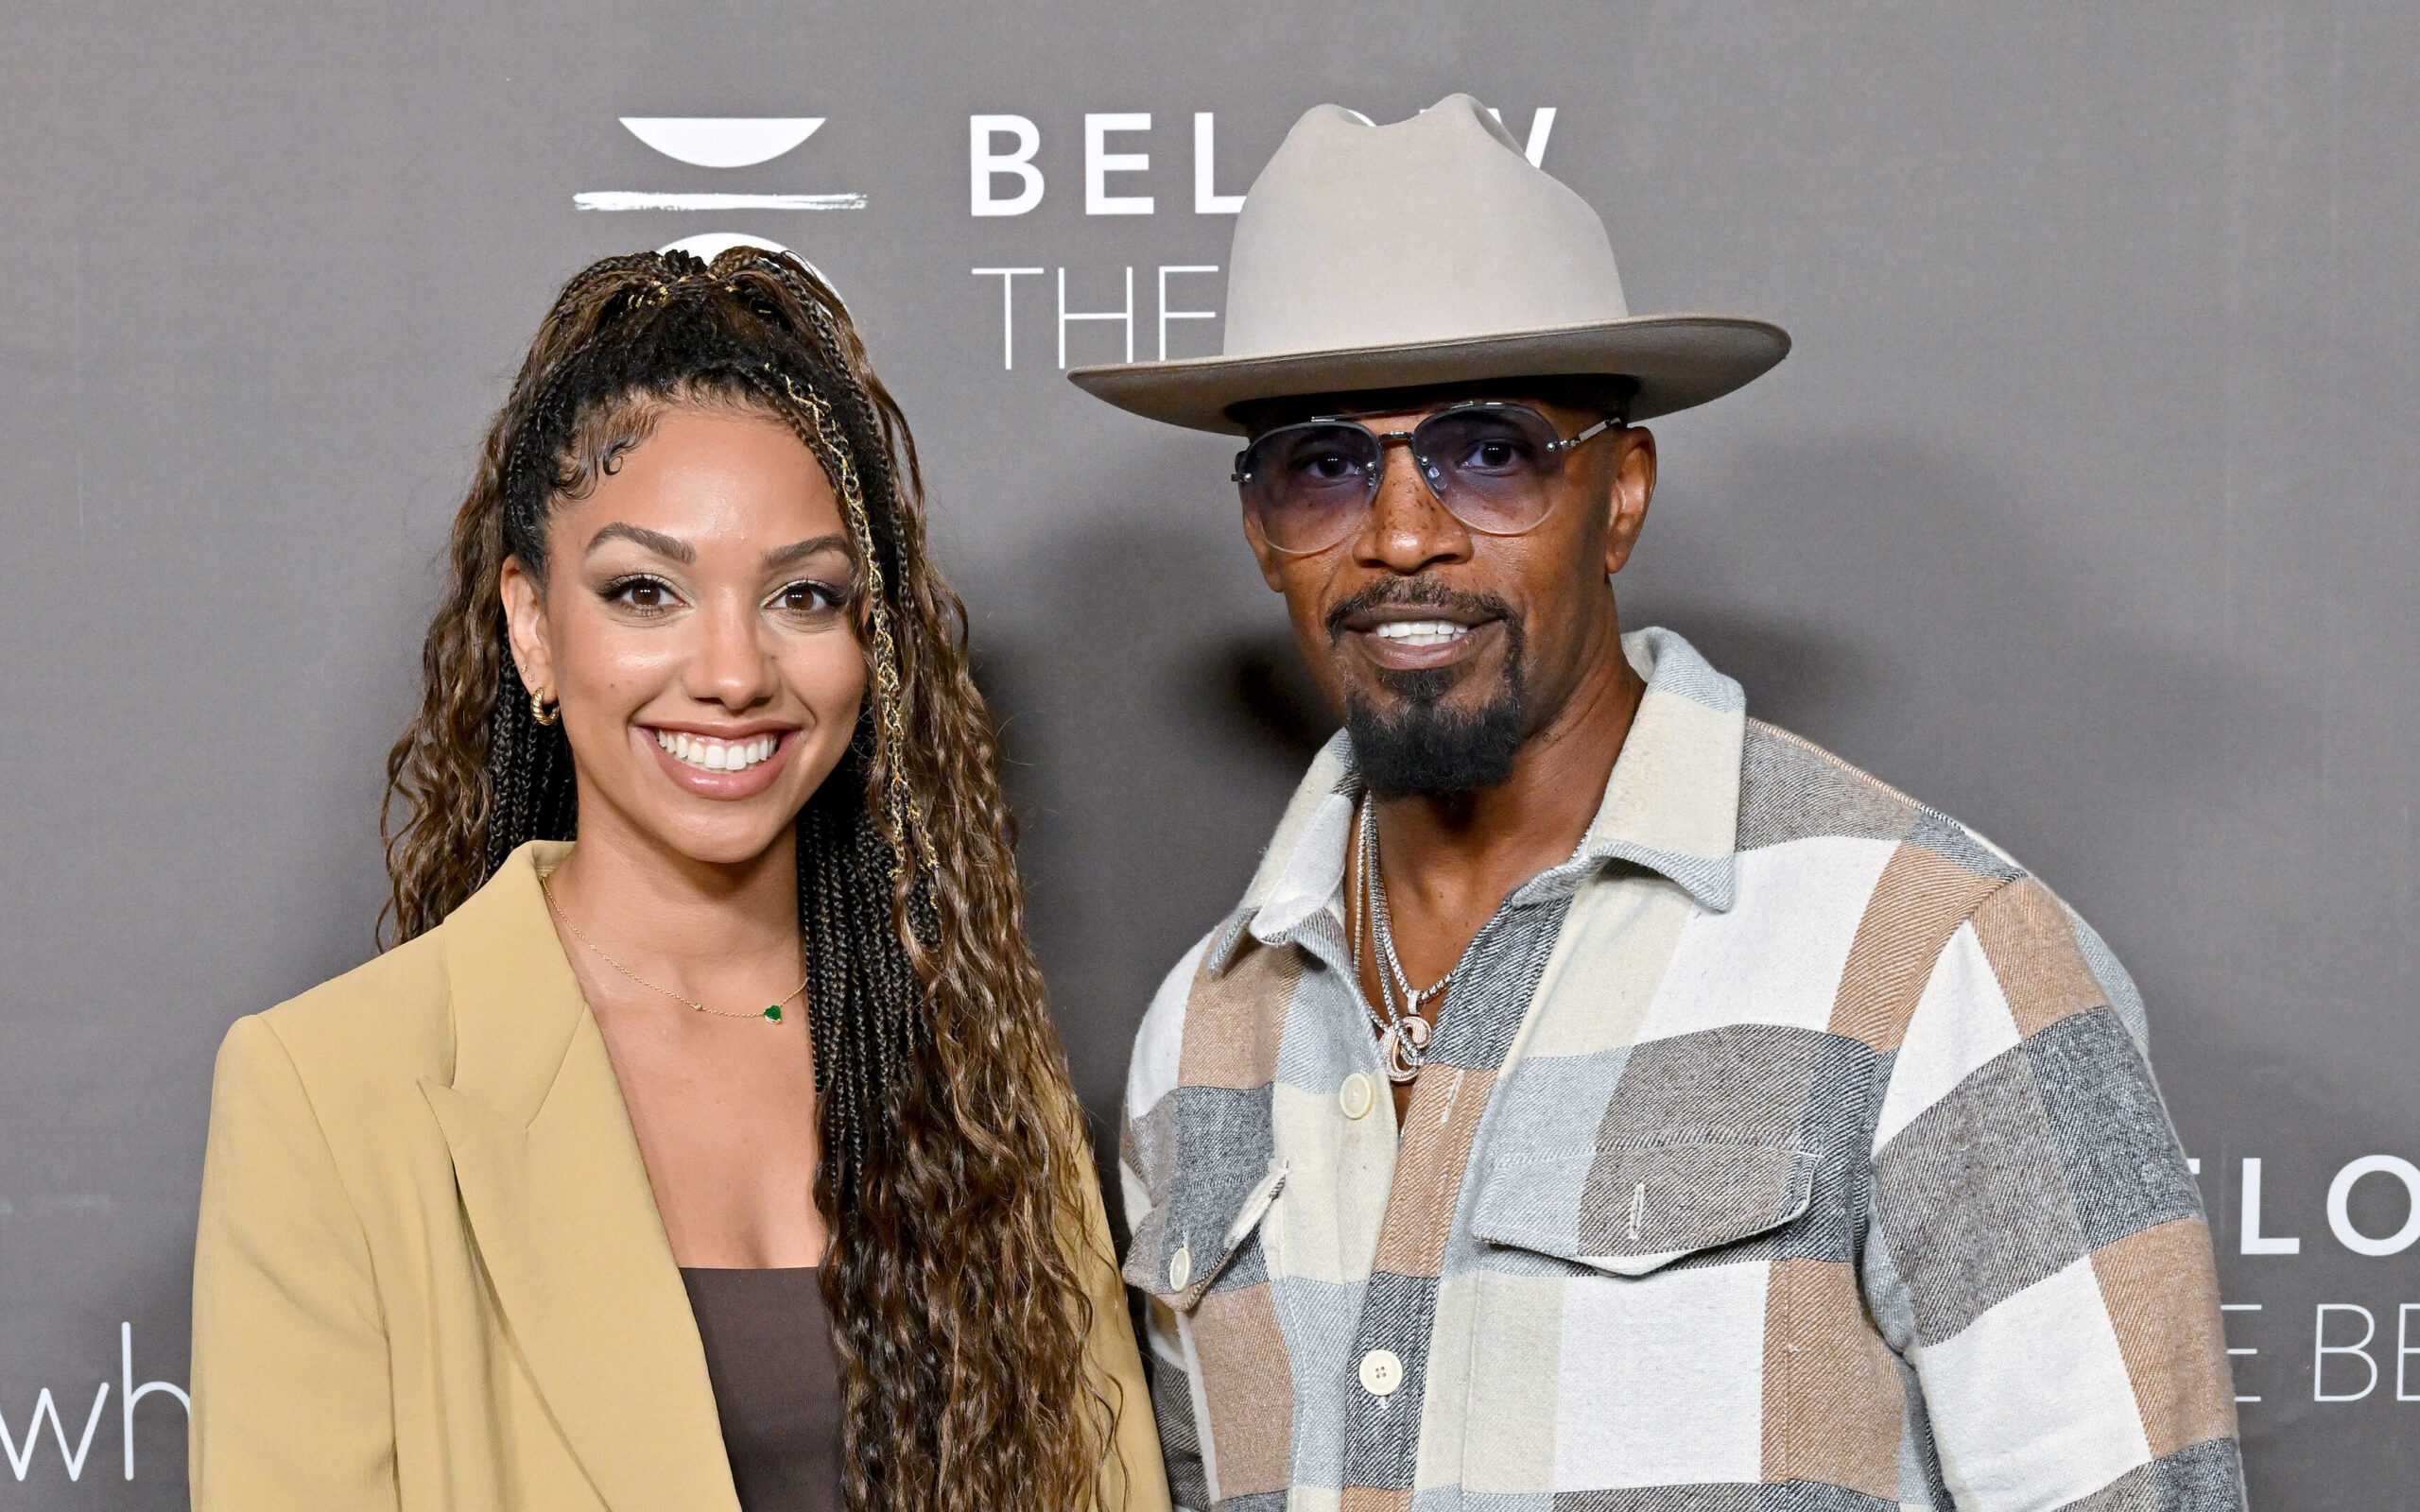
1308,484
1491,465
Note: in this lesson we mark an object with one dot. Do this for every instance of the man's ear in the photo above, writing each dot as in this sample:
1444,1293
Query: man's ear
1270,560
524,620
1634,485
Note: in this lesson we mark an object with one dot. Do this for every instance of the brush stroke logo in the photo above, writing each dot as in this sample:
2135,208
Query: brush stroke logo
719,142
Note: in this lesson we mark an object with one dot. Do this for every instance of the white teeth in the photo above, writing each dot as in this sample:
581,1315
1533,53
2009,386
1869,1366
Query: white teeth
717,755
1421,633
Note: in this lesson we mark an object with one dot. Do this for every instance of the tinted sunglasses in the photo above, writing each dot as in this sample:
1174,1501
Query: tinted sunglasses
1490,463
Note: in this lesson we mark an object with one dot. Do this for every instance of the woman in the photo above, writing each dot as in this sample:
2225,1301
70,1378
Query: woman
723,1157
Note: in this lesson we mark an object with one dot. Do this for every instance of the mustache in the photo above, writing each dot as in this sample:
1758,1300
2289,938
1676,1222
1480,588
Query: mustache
1421,592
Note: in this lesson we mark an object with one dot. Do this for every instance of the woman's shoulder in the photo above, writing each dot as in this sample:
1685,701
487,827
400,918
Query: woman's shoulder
321,1131
362,1045
383,1026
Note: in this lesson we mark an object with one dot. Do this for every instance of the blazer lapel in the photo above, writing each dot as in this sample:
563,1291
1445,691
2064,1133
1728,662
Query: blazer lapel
559,1203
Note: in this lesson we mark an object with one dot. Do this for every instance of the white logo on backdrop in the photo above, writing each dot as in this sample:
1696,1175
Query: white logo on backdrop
1003,152
2333,1357
722,140
987,164
20,1453
719,142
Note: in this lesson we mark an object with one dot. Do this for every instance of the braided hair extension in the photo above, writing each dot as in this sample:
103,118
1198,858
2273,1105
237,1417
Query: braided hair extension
953,1157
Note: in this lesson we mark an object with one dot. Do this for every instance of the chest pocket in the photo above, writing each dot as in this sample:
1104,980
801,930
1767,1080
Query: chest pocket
1188,1244
1631,1211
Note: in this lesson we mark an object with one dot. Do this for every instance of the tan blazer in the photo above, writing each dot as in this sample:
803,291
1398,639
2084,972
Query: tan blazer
430,1272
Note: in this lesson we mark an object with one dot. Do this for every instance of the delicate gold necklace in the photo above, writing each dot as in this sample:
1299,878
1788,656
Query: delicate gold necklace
771,1011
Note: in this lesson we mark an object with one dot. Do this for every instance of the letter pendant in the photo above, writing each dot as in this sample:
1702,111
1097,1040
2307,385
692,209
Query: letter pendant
1402,1048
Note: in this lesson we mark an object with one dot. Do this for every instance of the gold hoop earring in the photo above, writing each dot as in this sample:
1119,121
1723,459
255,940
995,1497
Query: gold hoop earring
543,712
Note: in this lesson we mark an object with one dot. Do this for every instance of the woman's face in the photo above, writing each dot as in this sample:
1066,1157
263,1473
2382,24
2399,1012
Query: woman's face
696,624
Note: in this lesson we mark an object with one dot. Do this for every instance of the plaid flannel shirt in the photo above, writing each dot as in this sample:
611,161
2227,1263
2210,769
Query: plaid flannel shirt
1789,1147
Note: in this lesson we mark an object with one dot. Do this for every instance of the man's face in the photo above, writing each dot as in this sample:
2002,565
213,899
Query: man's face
1448,649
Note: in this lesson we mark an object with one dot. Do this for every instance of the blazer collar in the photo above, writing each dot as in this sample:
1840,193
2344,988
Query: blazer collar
560,1208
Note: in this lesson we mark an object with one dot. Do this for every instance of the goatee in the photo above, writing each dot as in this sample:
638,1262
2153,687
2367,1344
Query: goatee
1422,746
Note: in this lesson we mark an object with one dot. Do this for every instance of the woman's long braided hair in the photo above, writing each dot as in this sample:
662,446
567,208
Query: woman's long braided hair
953,1151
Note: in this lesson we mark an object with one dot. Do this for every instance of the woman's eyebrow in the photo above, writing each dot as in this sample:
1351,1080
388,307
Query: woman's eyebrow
799,551
654,541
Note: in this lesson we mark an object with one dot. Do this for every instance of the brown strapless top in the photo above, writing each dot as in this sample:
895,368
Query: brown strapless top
777,1384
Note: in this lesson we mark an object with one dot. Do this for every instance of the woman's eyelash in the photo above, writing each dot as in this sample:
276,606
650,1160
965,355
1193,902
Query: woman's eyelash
620,587
833,595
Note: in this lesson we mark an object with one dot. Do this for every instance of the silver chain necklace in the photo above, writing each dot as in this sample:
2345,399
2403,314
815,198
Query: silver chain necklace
1403,1034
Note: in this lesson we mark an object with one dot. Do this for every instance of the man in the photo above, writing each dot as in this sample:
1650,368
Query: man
1759,1138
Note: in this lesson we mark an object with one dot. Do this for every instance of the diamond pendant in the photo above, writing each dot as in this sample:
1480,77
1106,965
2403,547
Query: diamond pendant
1400,1049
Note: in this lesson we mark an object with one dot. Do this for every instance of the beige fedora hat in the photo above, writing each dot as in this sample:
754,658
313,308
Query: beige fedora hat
1428,251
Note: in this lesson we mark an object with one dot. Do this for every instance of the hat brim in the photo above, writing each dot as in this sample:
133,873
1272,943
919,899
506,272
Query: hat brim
1677,360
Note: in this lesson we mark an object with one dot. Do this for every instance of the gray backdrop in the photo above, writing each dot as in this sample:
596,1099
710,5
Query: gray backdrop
2082,510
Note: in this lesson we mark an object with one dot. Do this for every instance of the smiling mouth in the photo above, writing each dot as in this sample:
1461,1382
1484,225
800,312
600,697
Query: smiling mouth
1419,633
711,755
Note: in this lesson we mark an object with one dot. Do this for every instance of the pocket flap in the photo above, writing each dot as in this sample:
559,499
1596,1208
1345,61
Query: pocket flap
1176,1261
1631,1211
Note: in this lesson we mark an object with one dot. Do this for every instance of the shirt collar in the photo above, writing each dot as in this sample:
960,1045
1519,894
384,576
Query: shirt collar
1672,805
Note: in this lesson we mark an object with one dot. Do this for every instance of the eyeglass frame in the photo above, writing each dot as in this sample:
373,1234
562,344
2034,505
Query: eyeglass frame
1559,447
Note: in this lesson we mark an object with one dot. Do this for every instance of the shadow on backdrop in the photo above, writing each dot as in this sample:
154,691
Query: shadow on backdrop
1914,611
1154,725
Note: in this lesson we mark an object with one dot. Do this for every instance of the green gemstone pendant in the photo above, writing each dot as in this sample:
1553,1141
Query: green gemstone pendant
775,1013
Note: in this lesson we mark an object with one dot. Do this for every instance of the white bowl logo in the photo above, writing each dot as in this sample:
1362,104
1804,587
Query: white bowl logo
722,140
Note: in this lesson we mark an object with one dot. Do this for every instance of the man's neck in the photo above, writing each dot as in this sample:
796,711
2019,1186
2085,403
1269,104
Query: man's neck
1450,861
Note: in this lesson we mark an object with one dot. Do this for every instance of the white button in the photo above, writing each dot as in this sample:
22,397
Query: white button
1180,1268
1357,1095
1381,1372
